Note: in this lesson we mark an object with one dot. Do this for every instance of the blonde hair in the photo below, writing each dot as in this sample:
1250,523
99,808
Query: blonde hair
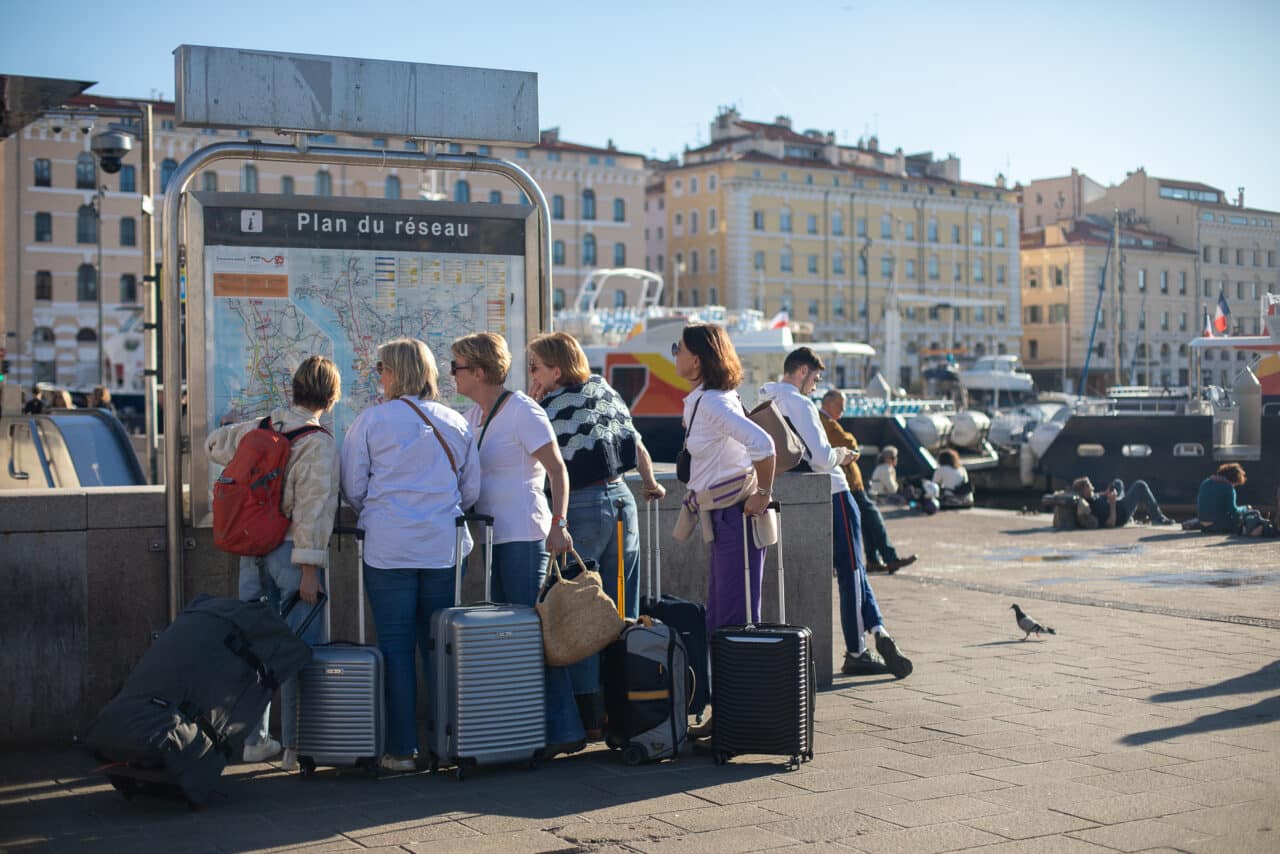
317,383
62,400
561,350
101,394
413,368
488,352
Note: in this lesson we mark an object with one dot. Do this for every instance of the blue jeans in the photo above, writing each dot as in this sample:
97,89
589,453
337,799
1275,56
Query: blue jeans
273,576
593,524
874,535
403,601
859,612
518,572
1137,496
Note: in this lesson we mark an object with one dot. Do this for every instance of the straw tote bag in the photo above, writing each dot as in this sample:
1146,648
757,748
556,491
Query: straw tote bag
578,617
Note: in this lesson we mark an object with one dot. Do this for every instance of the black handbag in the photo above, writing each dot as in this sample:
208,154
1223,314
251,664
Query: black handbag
684,460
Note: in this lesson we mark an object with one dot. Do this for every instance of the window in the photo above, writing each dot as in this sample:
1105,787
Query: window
1000,238
933,230
911,270
693,261
693,184
695,298
619,254
886,227
557,252
977,234
862,264
886,267
909,231
784,261
44,227
324,183
128,231
713,296
588,204
956,273
1035,314
1239,257
589,250
553,157
249,178
837,264
44,285
1033,349
86,284
813,309
757,220
1058,313
209,181
167,168
711,220
557,207
813,263
713,263
128,179
711,181
44,172
861,227
784,220
955,234
1057,276
1182,284
979,271
1222,254
837,223
462,191
619,210
619,298
129,289
391,187
86,172
86,225
43,335
758,263
1164,321
86,336
837,307
693,222
811,223
933,267
1142,281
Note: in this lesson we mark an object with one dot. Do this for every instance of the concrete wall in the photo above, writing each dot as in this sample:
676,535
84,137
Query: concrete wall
85,590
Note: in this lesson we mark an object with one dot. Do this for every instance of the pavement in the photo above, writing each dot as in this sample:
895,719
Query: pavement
1149,722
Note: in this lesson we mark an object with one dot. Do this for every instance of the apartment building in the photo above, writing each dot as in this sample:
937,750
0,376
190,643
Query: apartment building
770,218
57,203
1147,314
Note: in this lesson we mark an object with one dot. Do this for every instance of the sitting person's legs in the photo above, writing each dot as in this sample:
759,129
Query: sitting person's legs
1139,496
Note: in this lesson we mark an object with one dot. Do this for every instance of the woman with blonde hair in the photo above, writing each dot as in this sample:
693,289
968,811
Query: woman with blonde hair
518,453
599,443
409,467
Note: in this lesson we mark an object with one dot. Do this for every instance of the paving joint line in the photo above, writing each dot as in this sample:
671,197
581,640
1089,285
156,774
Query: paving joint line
1088,601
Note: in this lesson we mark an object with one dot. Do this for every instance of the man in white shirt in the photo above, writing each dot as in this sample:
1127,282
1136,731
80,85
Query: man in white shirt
859,612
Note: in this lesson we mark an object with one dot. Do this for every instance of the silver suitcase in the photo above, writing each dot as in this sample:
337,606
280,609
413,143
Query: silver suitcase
341,711
488,700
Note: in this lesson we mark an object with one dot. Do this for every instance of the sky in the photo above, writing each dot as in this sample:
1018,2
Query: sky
1187,90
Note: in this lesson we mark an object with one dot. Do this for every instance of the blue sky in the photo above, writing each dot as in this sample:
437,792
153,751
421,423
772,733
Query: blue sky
1186,89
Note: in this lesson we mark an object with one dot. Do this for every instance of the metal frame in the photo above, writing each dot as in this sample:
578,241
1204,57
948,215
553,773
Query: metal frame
269,152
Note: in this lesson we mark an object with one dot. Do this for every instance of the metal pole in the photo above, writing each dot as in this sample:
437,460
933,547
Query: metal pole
99,199
173,340
149,291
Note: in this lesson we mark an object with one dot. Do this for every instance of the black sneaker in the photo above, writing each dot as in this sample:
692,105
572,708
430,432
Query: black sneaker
867,664
899,665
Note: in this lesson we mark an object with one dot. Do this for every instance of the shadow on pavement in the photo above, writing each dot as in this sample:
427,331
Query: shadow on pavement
1266,678
1261,712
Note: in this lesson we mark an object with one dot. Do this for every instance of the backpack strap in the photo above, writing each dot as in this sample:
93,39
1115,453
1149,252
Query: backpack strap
502,398
295,435
448,453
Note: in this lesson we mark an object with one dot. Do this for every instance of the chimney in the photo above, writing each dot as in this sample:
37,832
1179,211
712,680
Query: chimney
1000,181
783,122
1240,198
610,145
550,136
873,143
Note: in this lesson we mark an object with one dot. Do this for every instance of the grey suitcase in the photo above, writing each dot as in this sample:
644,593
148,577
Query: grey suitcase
341,711
488,698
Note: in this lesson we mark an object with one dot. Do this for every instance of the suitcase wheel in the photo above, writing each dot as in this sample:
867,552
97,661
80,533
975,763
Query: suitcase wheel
306,766
533,764
633,754
794,763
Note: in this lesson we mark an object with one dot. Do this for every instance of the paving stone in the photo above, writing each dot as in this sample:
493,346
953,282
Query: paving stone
826,803
941,786
727,841
832,825
1118,808
716,818
845,778
594,834
1134,782
1133,759
1047,845
1049,794
1025,824
921,840
522,842
1136,835
1233,818
1227,792
936,811
1040,772
1252,842
378,836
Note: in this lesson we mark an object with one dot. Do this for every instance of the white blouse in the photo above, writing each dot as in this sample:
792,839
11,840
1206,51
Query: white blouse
722,441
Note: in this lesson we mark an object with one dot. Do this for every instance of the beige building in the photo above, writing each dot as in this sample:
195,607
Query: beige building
1143,326
49,224
770,218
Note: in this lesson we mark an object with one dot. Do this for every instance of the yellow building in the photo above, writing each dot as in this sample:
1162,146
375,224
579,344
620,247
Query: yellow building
769,218
49,224
1152,311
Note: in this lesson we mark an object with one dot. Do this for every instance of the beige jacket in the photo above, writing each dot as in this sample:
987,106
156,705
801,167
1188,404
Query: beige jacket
310,482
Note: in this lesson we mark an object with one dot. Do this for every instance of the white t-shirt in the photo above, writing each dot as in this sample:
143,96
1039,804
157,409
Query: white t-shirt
512,480
948,477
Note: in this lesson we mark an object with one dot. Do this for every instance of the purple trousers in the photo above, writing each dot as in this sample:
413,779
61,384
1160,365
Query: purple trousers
726,600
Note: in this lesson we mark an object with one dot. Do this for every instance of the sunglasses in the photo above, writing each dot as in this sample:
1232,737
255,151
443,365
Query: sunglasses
378,368
454,367
675,348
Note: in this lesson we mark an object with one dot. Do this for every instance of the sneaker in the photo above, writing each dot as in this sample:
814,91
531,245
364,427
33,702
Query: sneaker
289,762
1163,520
398,764
899,665
261,751
701,730
867,664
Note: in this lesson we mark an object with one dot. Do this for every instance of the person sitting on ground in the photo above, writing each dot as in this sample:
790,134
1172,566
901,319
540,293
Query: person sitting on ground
1116,507
1218,509
310,501
881,555
953,481
884,479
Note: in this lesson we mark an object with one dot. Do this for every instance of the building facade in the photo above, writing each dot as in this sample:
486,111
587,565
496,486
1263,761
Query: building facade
57,202
768,218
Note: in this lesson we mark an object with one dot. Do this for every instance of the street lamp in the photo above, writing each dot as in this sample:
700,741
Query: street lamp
865,254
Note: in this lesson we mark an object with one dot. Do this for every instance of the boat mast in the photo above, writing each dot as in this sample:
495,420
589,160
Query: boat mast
1097,310
1116,308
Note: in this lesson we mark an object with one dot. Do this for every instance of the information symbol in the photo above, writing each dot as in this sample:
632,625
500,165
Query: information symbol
251,221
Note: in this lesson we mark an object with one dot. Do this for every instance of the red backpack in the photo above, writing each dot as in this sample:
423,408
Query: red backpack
247,519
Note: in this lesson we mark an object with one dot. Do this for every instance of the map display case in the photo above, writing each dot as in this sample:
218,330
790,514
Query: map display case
273,279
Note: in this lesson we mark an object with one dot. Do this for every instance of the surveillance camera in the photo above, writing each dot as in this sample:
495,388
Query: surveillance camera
111,147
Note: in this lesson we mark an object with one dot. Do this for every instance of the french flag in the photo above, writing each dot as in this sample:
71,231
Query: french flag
779,320
1222,318
1208,326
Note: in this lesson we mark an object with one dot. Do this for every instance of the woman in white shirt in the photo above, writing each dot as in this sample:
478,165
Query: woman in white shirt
409,466
730,473
518,450
953,481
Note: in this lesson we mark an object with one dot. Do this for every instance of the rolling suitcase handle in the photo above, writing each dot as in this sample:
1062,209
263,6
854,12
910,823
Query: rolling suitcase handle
746,567
460,524
359,535
622,579
294,599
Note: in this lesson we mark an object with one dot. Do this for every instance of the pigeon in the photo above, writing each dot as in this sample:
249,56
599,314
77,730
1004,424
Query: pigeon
1028,624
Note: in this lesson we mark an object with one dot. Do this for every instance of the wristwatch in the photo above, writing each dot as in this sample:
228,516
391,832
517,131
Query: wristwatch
560,522
765,492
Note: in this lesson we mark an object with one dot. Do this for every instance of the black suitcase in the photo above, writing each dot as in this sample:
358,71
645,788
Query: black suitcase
687,618
185,708
764,677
